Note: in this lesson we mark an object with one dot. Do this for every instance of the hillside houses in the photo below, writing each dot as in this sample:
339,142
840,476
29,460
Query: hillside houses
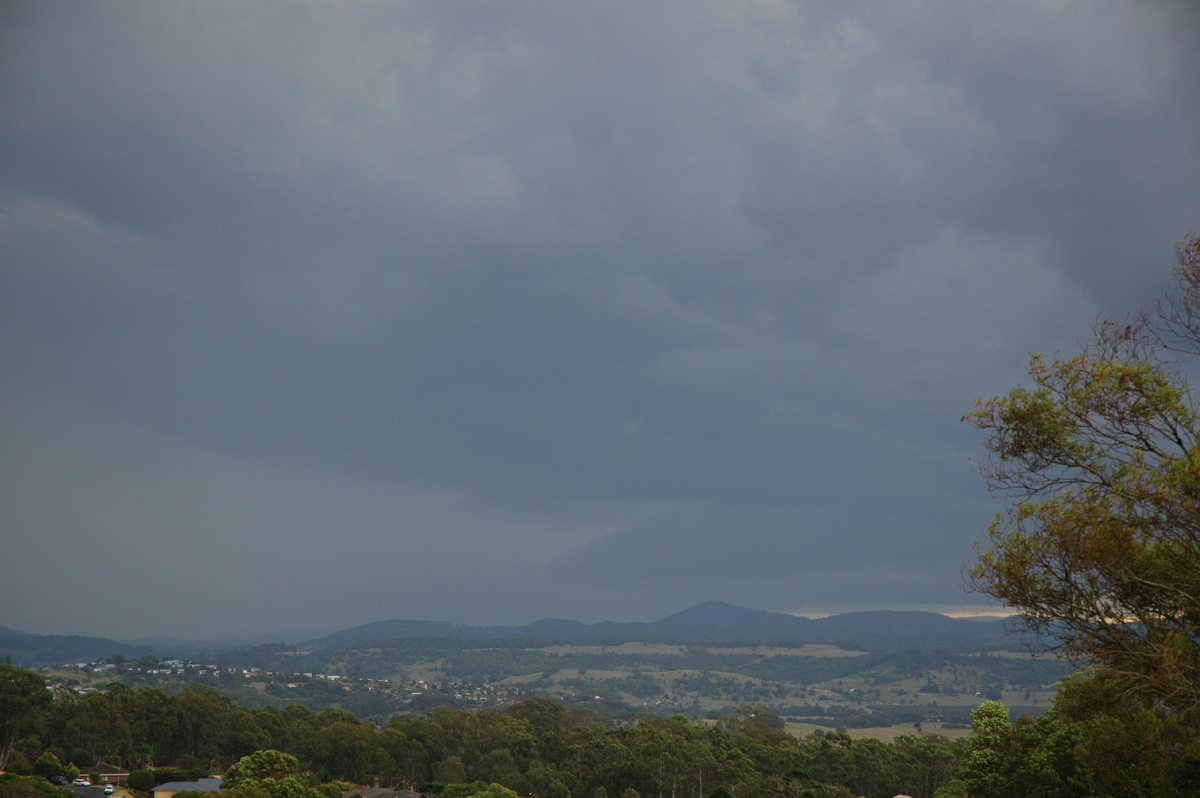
292,687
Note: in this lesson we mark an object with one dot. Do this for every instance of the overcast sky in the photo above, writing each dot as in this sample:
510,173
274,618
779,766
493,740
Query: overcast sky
321,313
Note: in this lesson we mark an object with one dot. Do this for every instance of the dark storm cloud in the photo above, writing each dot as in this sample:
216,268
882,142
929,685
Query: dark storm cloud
654,303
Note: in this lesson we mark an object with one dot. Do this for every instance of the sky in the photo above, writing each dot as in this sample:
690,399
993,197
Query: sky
314,314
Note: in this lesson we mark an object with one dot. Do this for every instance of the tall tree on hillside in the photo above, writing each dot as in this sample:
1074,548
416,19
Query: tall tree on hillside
351,751
97,729
23,699
200,710
1100,546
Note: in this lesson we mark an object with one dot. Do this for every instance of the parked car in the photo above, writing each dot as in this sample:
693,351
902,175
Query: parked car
108,789
82,782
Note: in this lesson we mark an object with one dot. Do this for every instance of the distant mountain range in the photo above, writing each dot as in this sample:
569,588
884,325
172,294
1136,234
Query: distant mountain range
708,622
712,621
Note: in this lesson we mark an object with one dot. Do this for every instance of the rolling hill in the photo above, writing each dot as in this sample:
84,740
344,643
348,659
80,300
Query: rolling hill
710,621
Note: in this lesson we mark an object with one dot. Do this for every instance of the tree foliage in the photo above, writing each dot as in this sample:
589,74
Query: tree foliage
538,747
23,698
1099,549
1093,743
273,773
13,786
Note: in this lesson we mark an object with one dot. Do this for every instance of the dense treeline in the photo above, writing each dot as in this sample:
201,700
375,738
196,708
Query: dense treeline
1092,743
535,747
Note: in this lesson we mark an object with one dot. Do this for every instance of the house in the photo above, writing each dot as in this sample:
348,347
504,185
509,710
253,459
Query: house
201,785
109,774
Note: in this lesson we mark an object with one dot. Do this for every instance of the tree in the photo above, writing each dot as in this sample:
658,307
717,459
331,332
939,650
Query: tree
985,755
96,728
241,734
199,710
273,772
1099,549
23,699
409,758
48,766
155,724
142,780
351,752
261,765
1091,743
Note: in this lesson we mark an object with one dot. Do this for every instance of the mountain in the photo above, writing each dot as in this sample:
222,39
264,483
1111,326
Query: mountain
711,621
708,622
192,649
394,630
730,622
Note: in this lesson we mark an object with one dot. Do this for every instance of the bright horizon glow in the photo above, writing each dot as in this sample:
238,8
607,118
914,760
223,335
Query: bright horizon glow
949,610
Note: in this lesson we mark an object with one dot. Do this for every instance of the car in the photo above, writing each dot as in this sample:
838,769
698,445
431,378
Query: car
82,782
108,789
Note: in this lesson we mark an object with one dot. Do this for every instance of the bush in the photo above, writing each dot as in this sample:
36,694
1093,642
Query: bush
48,766
19,763
163,775
14,786
18,789
142,780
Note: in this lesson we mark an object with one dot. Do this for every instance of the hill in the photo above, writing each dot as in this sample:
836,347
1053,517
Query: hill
32,650
708,622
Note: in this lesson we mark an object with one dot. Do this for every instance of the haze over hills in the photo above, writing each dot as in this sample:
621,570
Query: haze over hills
710,621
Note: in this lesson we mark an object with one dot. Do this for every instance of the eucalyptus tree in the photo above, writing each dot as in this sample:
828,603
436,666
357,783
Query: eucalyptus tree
23,700
1099,548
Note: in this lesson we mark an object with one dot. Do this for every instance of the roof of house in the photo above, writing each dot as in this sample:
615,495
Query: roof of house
200,785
